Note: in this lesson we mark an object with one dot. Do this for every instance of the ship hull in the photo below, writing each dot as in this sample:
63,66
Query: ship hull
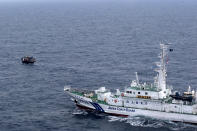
86,103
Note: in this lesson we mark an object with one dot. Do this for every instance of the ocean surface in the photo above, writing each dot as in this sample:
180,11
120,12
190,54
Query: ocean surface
89,44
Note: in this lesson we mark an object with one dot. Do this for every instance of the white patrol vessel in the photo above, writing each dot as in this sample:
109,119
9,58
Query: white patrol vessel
150,100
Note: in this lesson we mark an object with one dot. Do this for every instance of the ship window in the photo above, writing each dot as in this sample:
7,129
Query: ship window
146,93
129,92
146,103
141,102
138,92
134,93
136,102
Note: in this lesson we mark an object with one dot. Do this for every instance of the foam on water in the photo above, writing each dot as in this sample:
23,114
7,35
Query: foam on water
152,123
77,111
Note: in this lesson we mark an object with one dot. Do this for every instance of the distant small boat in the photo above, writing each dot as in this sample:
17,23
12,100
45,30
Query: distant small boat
27,60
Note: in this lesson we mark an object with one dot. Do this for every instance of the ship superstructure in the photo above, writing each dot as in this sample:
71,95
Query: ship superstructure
154,100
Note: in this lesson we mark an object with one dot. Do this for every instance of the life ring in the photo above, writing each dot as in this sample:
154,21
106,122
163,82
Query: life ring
122,94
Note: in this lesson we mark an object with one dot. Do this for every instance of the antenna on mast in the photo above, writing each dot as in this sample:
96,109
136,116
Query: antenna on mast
161,76
137,79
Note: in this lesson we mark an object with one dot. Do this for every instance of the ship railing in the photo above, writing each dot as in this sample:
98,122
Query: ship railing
83,92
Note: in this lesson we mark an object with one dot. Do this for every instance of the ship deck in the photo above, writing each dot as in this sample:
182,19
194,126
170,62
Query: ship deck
94,97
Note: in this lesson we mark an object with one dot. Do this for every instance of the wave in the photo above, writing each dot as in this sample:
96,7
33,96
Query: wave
77,111
139,121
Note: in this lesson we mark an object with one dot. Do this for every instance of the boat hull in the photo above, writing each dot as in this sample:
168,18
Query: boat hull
86,103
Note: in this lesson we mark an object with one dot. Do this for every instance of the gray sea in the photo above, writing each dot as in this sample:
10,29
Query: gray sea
89,44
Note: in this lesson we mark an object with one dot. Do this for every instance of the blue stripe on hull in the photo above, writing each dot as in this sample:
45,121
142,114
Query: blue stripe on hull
97,107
